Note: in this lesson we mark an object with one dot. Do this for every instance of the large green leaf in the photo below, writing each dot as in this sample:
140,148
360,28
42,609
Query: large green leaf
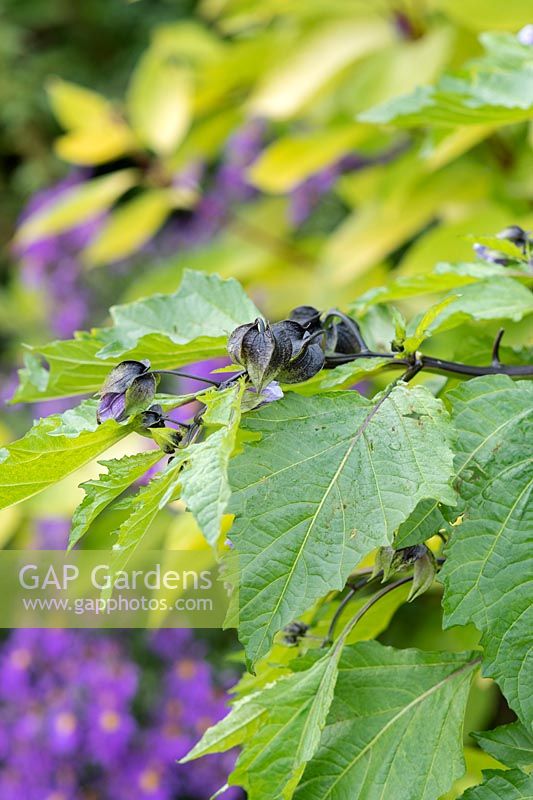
512,785
42,458
395,726
101,491
170,330
291,159
205,487
510,744
331,478
487,574
424,522
280,728
494,89
203,306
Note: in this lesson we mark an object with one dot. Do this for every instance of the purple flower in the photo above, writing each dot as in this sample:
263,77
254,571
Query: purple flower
69,725
51,533
52,264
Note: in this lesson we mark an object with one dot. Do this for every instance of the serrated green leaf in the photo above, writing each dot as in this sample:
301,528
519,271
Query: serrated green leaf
391,708
198,473
280,728
76,205
101,491
510,744
203,306
424,522
488,580
40,458
331,478
498,785
169,330
205,486
492,89
497,298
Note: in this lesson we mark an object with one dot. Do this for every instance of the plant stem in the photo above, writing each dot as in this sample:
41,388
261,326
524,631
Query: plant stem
430,364
180,374
367,606
342,605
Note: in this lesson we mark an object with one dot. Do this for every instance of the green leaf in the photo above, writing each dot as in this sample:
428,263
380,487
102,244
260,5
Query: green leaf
498,785
142,508
341,377
170,330
40,458
291,159
331,478
472,299
205,487
422,524
392,708
75,106
487,581
315,61
422,331
159,101
101,491
92,146
77,205
280,729
493,89
497,298
203,306
510,744
129,227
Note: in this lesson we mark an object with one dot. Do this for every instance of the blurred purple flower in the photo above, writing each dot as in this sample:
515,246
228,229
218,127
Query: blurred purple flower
52,264
68,717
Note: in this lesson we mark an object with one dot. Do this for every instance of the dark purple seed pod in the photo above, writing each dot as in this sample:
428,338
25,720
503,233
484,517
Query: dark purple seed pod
128,389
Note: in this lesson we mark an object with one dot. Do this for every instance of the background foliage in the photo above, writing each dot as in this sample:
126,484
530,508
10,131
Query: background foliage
334,154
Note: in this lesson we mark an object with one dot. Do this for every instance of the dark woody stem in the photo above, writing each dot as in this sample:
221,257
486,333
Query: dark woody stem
417,361
430,364
180,374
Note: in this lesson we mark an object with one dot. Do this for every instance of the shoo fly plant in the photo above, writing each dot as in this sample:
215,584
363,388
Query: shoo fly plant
344,462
